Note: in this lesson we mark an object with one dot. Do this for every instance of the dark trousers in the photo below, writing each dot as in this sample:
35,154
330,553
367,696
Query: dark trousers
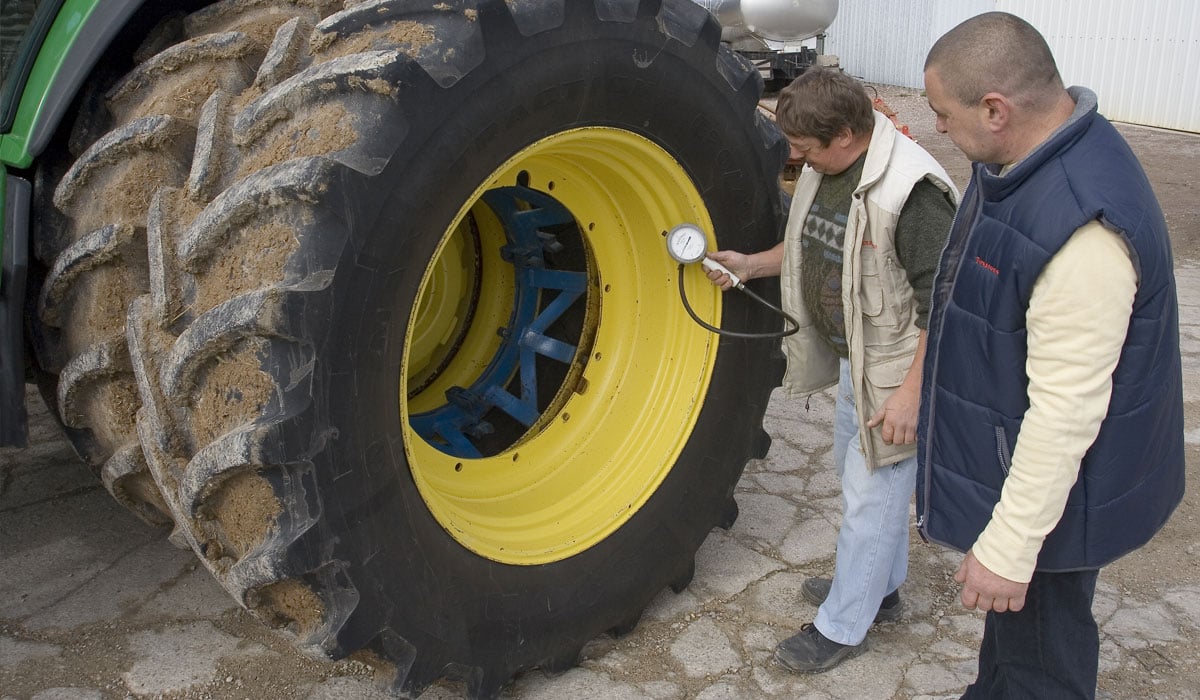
1050,649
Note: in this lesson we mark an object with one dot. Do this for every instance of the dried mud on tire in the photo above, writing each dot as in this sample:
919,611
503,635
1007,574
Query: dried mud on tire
251,239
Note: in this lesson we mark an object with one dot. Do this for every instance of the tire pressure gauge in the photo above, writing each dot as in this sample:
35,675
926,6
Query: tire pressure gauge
687,244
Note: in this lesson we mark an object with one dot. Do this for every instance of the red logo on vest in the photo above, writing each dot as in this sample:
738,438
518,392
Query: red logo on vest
987,266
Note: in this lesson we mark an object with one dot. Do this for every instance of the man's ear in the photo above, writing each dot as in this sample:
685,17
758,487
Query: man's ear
996,111
845,137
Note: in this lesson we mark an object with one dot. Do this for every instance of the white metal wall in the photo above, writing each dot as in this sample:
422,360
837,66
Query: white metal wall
885,41
1141,58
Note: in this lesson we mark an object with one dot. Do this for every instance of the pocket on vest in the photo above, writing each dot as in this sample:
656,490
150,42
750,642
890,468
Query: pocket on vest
881,379
889,373
872,291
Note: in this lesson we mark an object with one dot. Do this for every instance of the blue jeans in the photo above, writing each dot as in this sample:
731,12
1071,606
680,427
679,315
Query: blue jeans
872,544
1050,649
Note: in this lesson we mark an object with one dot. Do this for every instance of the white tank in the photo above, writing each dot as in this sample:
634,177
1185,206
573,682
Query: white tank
772,20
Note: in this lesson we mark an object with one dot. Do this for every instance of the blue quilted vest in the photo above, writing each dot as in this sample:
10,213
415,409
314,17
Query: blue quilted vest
973,396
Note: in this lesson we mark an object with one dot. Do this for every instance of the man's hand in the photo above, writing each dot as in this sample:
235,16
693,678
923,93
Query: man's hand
899,414
735,262
985,590
901,411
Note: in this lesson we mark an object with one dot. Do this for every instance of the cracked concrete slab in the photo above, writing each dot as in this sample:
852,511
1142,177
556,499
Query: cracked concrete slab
177,659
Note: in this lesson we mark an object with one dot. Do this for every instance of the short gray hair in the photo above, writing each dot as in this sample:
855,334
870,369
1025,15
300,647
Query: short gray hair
996,52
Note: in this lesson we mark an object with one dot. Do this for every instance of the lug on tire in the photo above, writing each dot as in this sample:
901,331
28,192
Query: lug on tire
394,339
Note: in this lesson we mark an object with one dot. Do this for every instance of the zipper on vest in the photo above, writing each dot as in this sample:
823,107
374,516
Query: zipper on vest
974,202
1002,452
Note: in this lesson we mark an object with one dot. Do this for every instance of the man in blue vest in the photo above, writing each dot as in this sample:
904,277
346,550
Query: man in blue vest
1051,429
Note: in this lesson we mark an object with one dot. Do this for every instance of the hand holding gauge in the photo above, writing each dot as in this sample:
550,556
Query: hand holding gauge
687,244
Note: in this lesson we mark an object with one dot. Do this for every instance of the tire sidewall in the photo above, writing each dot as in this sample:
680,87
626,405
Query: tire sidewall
455,138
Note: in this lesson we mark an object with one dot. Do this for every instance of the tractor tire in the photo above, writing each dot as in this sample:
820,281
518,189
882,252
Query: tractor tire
400,344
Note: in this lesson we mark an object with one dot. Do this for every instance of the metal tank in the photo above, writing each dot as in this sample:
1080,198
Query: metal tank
768,34
783,21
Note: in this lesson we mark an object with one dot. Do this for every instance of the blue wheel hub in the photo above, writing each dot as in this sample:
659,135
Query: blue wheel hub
542,295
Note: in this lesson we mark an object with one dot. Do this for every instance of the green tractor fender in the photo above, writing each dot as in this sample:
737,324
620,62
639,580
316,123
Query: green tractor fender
63,44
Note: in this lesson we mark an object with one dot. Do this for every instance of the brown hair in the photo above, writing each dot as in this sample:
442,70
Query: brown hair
996,52
822,102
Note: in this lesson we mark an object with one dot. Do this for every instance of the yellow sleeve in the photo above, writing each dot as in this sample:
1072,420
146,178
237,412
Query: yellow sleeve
1077,320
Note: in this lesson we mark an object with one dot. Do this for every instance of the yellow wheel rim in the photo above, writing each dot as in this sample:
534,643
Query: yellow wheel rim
636,382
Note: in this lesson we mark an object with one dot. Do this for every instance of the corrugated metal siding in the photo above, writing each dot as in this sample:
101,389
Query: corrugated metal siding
1142,59
885,41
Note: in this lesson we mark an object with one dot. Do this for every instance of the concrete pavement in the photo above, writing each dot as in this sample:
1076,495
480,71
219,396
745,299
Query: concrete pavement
95,605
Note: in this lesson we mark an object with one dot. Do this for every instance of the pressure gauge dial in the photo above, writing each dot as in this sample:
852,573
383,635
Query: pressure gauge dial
686,243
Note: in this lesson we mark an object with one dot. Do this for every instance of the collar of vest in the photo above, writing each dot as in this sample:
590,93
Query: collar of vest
995,186
879,152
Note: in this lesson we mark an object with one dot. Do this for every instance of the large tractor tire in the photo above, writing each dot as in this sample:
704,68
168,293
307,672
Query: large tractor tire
374,302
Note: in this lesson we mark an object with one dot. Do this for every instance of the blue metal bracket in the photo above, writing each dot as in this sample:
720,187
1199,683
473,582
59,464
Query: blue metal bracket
524,213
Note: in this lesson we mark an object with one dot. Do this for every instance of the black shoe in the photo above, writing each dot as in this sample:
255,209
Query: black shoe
809,651
816,590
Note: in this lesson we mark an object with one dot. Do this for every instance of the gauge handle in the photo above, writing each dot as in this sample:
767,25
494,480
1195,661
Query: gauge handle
710,264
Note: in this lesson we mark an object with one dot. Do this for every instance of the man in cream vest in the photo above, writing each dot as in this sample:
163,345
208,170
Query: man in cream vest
867,224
